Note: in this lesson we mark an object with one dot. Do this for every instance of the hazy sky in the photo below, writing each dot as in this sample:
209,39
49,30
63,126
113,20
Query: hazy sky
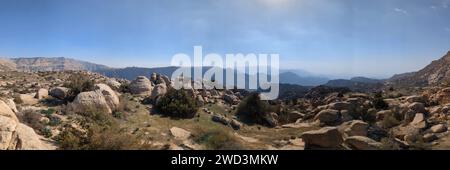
374,38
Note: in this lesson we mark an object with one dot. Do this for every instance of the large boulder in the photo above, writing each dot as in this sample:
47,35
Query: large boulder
419,121
87,102
327,137
158,91
362,143
27,99
415,98
110,95
6,111
41,94
417,107
11,105
59,92
293,116
339,106
439,128
15,135
357,128
328,116
141,86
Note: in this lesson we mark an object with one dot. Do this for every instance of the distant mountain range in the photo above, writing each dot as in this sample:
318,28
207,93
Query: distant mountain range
360,84
49,64
436,73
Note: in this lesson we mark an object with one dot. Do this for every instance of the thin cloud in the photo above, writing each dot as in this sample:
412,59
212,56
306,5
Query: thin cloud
445,3
399,10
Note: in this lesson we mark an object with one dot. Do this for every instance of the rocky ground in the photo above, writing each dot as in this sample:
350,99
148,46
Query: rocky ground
45,110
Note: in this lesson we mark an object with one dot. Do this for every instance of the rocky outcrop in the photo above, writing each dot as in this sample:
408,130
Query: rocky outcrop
141,86
17,136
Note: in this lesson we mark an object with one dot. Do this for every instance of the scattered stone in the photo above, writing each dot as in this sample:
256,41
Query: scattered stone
429,137
221,119
438,128
362,143
180,134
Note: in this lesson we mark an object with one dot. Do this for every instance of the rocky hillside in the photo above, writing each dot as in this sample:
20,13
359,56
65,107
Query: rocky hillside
436,73
7,65
53,64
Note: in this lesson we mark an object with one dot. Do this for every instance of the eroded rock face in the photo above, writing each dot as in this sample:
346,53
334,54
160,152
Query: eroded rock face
141,86
327,137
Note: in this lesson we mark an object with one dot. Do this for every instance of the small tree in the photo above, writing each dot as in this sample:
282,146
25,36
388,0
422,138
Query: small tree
78,83
178,104
254,110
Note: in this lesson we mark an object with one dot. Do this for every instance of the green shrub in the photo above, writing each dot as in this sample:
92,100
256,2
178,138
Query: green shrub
178,104
218,139
99,135
390,121
47,132
253,110
17,99
378,101
78,83
118,115
32,119
48,112
54,121
124,88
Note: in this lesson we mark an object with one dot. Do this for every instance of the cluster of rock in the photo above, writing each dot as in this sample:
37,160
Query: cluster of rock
353,122
15,135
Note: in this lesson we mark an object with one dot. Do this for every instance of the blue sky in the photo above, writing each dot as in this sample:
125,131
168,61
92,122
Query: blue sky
375,38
